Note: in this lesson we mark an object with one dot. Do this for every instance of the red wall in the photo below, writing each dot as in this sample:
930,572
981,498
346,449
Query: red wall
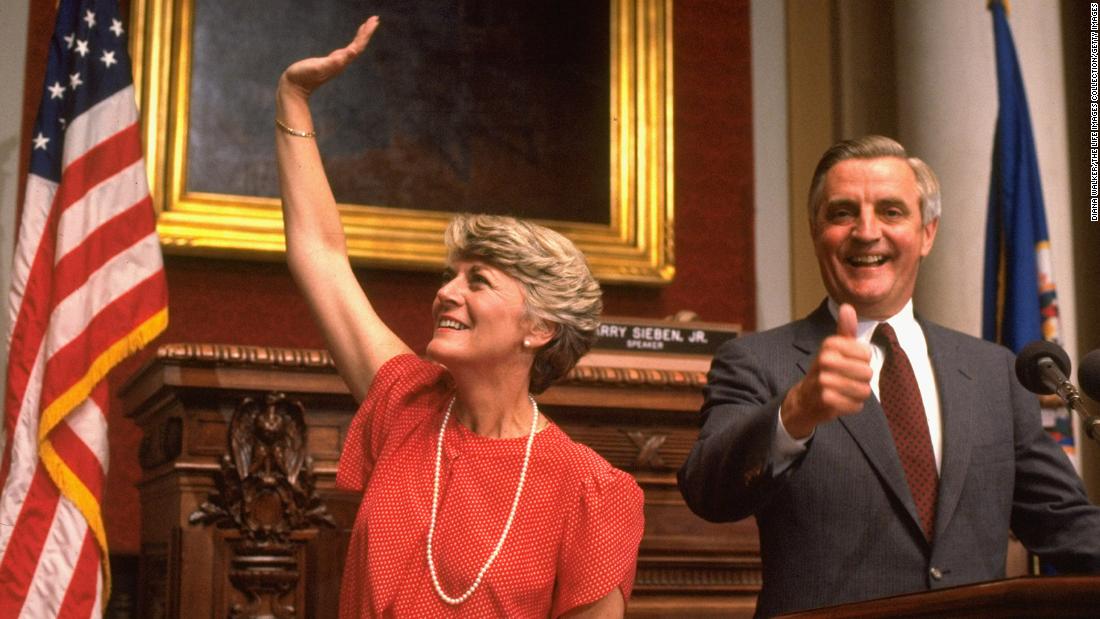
256,303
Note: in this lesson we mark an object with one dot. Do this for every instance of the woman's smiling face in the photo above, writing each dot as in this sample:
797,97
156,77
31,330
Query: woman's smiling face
479,314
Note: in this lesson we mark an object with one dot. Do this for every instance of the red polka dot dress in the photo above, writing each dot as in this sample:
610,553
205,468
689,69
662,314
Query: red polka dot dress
574,538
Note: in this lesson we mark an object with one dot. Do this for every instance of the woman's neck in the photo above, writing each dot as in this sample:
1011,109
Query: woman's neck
494,415
494,400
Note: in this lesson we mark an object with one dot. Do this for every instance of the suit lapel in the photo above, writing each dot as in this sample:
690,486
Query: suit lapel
871,432
810,333
956,389
868,428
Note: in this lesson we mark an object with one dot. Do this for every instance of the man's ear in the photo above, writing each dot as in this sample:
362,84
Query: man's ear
928,236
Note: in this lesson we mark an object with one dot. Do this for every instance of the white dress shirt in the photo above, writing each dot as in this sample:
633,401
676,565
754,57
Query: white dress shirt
786,448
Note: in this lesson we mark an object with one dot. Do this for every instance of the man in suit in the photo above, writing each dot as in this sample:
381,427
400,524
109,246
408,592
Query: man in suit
879,460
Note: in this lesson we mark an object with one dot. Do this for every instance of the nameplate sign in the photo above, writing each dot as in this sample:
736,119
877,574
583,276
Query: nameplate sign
691,338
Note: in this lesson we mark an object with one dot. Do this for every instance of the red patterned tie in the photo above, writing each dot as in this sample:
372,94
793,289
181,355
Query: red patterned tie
904,410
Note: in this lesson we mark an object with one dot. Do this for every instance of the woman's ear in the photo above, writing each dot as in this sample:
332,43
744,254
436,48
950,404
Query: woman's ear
540,334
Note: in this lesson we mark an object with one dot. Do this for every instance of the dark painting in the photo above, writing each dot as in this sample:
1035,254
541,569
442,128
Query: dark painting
477,105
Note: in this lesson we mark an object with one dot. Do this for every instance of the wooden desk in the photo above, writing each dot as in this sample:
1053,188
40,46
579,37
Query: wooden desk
639,412
1031,597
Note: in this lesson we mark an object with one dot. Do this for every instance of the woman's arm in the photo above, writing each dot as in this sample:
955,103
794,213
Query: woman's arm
315,244
610,606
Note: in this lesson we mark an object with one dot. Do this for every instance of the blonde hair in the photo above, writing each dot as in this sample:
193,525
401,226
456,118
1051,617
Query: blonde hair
874,147
559,287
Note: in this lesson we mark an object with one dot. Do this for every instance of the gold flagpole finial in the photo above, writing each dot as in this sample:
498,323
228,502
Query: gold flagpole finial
1008,7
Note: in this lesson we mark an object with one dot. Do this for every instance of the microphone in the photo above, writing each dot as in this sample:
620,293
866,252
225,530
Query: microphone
1089,374
1042,368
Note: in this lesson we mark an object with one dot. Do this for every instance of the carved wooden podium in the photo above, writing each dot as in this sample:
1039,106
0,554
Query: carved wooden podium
239,455
1030,597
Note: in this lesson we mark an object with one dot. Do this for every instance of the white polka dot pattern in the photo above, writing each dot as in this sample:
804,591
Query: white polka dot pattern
576,532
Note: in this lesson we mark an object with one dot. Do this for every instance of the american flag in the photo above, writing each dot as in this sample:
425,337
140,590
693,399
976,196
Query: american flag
88,289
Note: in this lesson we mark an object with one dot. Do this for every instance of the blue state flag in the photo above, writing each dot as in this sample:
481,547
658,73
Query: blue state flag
1020,304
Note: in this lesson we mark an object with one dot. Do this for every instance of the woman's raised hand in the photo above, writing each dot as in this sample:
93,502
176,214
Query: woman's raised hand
316,249
309,74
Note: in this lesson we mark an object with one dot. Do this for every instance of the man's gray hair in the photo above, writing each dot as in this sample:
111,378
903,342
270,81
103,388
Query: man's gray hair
874,147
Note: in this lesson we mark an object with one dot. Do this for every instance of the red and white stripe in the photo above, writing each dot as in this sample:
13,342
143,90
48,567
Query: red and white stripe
88,288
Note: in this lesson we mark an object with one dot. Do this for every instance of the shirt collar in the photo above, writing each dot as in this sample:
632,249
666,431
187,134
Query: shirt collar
904,323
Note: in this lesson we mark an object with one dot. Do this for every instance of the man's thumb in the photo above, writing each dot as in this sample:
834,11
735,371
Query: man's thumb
846,321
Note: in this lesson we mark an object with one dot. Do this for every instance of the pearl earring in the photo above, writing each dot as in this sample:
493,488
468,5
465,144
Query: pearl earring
526,343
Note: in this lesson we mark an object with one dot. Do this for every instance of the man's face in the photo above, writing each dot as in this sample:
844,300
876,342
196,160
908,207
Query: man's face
868,235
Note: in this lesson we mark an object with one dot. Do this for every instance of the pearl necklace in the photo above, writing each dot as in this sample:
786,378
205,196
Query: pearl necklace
454,601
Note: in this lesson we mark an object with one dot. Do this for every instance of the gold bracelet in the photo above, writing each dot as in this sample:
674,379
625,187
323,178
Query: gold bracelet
294,132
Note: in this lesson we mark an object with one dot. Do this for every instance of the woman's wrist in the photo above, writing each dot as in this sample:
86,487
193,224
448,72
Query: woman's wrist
292,106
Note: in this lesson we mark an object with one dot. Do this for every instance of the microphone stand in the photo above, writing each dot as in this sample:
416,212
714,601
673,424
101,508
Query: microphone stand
1069,394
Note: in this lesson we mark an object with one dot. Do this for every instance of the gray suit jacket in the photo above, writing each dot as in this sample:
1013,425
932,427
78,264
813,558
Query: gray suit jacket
840,524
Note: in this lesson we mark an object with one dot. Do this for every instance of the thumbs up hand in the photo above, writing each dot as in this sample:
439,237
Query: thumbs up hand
838,382
846,321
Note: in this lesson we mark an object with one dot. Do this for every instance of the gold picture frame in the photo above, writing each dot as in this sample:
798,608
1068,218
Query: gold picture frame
635,245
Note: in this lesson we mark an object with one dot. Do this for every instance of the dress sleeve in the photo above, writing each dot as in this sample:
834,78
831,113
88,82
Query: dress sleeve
398,387
599,551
